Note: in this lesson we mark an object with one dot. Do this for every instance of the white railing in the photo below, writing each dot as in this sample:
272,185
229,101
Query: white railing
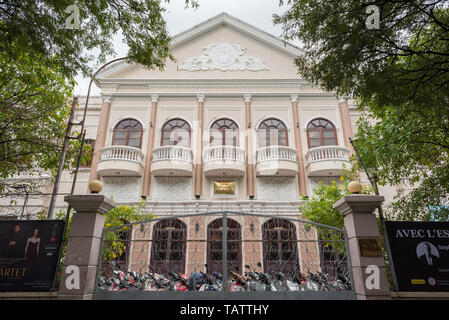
121,153
172,153
224,153
327,153
276,153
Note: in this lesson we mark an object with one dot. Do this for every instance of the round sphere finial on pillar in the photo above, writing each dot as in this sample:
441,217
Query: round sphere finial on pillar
95,186
355,187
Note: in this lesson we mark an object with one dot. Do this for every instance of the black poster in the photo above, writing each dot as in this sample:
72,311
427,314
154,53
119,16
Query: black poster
420,252
29,254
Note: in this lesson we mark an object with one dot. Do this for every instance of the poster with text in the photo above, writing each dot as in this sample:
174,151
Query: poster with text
420,252
29,254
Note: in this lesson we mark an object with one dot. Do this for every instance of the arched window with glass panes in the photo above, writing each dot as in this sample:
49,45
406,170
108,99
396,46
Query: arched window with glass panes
128,132
272,132
321,132
224,132
176,132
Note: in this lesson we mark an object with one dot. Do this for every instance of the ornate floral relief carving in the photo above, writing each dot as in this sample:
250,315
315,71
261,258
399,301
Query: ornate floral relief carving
224,56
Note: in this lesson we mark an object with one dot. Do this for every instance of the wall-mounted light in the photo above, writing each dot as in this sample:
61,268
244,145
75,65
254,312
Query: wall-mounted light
251,227
197,227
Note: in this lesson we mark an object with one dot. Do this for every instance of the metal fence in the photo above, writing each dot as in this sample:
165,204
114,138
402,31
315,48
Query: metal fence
233,245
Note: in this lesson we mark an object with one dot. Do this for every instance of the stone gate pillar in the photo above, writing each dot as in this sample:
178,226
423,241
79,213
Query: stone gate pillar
368,267
83,245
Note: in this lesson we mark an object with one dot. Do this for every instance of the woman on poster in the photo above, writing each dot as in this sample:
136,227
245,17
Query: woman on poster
32,253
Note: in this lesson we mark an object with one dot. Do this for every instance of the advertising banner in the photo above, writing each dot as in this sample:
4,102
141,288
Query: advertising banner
420,252
29,254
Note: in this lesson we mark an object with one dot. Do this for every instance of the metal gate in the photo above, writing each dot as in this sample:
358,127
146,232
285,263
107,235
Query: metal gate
229,243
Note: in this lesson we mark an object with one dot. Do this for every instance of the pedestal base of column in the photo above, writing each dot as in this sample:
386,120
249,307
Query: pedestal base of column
368,270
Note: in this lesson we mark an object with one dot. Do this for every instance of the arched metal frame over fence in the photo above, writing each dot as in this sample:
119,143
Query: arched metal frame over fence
264,243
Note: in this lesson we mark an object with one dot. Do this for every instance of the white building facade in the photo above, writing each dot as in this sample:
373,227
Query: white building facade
229,123
228,126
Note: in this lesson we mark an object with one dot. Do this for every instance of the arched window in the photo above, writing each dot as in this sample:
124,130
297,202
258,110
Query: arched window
321,132
128,132
168,249
176,132
272,132
280,249
215,249
224,132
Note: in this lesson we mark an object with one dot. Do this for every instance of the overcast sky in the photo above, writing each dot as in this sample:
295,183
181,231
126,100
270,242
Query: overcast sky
258,13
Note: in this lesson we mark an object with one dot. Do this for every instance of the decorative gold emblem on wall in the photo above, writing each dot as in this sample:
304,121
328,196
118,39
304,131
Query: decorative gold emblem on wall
224,187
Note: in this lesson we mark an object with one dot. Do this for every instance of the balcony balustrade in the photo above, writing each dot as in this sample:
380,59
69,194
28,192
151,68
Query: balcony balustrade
120,161
172,161
224,161
276,161
327,161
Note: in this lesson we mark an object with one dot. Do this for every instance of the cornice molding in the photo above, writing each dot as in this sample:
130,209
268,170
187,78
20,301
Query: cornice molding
205,84
212,95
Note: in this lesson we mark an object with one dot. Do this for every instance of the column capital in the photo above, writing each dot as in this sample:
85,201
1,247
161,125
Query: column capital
247,97
200,97
107,99
154,98
90,203
358,203
294,97
342,100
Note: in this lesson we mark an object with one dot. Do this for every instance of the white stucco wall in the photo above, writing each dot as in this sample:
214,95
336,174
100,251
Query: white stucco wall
171,188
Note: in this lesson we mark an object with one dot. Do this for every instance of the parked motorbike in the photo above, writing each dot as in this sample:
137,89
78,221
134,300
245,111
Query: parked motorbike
251,280
238,282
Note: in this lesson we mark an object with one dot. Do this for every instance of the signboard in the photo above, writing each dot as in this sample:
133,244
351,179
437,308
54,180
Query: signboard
224,187
29,254
420,253
370,248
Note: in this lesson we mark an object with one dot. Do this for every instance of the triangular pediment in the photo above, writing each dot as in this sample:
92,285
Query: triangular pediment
221,47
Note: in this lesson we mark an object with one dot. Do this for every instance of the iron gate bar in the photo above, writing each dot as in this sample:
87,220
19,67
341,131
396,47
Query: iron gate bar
224,251
100,258
227,212
225,294
349,258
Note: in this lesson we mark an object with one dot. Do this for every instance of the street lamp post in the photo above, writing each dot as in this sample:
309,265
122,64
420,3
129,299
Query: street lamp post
66,139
